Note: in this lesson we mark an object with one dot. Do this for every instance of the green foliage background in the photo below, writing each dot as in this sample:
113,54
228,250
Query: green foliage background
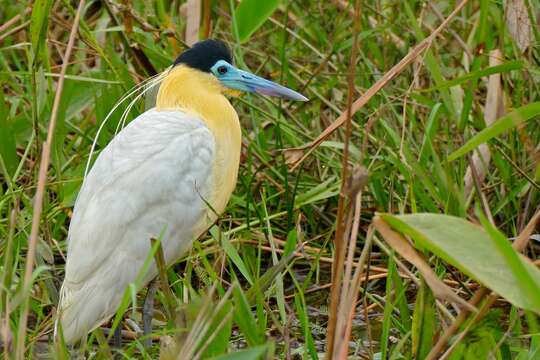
404,136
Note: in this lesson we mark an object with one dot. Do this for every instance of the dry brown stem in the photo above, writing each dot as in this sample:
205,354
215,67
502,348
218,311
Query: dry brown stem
42,179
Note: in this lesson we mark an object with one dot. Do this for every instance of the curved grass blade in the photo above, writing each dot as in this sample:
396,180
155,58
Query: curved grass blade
505,123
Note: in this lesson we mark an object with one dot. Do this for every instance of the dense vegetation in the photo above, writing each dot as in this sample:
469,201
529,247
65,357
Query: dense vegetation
407,149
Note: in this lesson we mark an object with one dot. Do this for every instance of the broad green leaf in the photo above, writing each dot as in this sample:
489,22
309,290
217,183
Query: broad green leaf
292,240
472,250
515,262
505,123
251,14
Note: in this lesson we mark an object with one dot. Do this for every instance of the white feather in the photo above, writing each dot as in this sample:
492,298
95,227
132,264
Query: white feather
152,177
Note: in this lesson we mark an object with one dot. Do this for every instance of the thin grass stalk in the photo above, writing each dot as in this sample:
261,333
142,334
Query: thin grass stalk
207,19
40,192
5,330
14,31
161,265
104,349
204,323
341,348
354,235
476,317
412,277
8,261
188,347
397,69
7,338
352,296
14,19
142,63
213,336
343,202
352,240
479,192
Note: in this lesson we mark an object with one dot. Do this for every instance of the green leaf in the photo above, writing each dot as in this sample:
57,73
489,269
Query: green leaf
505,123
483,339
253,353
264,281
472,250
244,318
424,321
388,309
251,14
231,252
220,342
38,25
322,191
429,134
303,317
509,66
8,150
290,245
514,261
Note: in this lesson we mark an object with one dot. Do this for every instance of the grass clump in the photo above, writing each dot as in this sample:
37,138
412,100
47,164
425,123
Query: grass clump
412,137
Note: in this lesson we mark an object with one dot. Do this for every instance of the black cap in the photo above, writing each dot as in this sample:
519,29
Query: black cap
204,54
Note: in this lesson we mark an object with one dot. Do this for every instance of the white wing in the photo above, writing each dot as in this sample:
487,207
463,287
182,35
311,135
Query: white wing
151,179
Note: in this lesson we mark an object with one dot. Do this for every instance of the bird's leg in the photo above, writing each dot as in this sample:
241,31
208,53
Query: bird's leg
117,337
148,312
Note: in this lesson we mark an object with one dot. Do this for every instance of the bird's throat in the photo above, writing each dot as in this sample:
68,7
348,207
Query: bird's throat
189,89
201,94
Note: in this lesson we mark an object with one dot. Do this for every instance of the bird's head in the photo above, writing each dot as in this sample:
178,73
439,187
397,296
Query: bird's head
214,63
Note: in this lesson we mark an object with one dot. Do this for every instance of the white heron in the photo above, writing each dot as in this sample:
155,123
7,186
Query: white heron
167,172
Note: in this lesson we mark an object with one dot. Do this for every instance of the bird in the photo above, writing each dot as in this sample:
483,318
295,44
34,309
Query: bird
168,174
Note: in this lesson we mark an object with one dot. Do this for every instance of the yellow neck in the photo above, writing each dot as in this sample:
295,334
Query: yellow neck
200,93
191,90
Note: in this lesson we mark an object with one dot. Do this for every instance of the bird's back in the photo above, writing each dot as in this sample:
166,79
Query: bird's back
151,181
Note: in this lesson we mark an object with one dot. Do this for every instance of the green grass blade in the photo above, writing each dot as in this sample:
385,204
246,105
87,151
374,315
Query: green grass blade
474,75
253,353
505,123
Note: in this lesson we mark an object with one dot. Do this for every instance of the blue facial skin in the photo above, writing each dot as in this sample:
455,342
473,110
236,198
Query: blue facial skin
237,79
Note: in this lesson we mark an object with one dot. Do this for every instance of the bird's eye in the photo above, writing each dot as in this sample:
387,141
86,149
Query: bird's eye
222,70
